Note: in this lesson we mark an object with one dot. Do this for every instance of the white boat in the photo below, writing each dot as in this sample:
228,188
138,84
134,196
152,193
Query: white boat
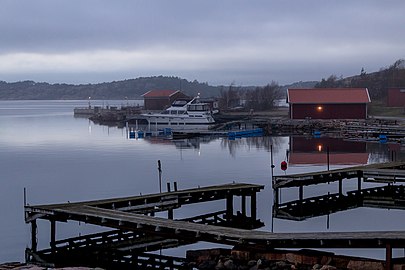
182,115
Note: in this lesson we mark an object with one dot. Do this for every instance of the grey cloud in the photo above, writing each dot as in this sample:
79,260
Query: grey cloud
295,37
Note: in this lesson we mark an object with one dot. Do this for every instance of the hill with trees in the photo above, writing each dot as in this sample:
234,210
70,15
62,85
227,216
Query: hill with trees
254,96
377,83
131,89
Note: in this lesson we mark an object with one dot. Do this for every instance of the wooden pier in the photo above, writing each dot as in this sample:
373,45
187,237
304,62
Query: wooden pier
138,233
387,197
130,215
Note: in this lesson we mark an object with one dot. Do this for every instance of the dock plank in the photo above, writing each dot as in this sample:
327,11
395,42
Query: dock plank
232,236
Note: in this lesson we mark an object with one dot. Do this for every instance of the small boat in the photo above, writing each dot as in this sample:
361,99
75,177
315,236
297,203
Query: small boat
182,114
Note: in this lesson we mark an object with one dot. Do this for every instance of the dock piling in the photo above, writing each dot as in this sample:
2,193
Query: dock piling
53,234
253,206
34,228
229,207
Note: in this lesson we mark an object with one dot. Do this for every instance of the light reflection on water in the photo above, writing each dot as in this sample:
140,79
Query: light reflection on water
59,158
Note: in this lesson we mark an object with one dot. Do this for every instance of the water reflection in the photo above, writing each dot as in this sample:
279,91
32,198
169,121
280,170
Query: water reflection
318,151
60,158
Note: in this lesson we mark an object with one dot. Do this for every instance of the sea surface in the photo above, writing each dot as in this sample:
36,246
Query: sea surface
58,158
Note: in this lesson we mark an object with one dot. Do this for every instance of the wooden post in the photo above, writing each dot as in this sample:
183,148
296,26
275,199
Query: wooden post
34,243
301,193
276,195
168,187
244,205
229,207
160,176
175,186
388,257
170,214
358,180
53,234
253,206
340,186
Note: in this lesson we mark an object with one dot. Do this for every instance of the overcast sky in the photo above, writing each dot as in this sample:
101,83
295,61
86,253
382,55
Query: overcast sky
216,41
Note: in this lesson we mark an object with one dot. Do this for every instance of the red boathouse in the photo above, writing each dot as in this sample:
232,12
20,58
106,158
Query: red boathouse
328,103
396,97
161,99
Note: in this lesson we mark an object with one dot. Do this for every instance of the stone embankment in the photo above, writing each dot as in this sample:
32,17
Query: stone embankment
225,259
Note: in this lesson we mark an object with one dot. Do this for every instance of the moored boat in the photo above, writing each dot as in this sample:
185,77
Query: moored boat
182,114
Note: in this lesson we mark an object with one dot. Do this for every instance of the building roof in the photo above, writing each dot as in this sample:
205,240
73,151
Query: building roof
160,93
328,95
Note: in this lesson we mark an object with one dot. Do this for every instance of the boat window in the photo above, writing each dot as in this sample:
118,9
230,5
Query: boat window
198,107
173,112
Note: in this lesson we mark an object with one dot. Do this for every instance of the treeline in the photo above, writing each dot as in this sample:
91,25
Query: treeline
131,89
377,82
253,98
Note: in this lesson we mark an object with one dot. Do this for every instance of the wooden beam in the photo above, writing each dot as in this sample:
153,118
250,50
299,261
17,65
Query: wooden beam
34,243
388,257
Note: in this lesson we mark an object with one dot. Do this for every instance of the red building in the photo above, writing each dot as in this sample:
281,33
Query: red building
396,97
161,99
328,103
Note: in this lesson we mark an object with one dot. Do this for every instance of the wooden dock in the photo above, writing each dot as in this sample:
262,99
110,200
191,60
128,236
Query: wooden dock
130,215
386,170
387,197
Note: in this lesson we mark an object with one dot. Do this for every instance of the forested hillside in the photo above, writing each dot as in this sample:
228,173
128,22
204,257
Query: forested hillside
131,89
376,82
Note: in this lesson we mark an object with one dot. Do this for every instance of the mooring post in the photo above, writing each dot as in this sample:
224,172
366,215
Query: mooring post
243,205
388,256
34,243
175,186
168,187
229,207
253,206
160,176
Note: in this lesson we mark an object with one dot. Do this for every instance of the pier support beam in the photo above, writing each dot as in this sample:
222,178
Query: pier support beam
253,206
53,233
388,257
276,195
359,180
301,193
340,186
243,205
229,207
34,243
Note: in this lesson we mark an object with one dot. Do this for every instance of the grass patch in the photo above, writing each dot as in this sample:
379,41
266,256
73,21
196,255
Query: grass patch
379,109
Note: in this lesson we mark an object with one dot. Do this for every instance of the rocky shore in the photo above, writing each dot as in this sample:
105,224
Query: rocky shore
226,259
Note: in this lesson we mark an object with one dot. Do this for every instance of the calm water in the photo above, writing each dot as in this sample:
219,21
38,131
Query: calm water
60,158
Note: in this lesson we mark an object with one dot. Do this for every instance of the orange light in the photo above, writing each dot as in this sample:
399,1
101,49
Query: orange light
320,147
319,108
